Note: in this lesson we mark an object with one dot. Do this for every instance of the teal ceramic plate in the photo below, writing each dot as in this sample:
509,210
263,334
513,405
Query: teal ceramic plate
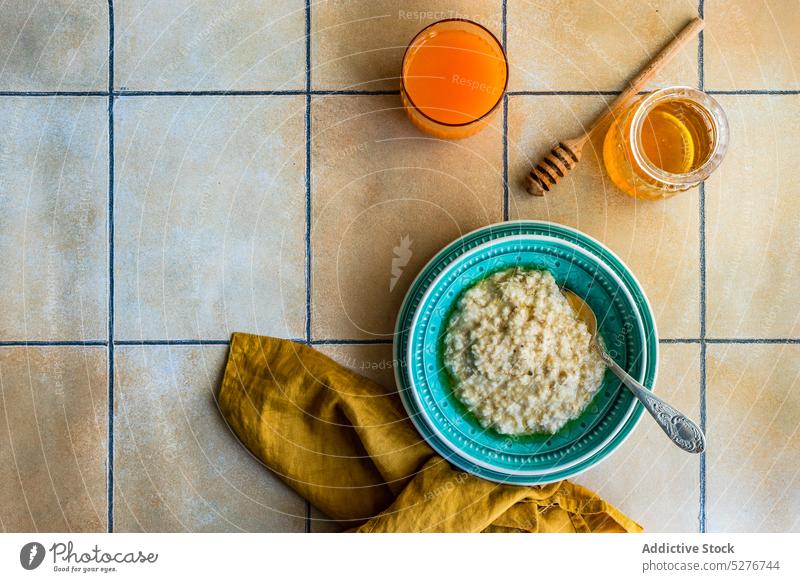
578,263
619,325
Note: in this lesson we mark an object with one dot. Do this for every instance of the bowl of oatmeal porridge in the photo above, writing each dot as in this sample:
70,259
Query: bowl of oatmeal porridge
494,369
517,355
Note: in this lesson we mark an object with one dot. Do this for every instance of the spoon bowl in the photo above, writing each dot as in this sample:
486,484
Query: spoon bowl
682,431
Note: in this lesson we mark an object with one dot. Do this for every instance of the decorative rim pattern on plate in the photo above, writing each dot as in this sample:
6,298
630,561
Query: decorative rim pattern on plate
464,245
578,440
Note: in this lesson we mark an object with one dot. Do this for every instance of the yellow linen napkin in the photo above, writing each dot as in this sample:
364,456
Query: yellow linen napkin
346,444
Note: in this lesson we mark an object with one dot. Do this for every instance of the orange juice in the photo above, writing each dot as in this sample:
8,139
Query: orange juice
453,76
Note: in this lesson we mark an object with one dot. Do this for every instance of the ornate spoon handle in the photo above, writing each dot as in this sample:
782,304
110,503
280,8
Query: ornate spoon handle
683,432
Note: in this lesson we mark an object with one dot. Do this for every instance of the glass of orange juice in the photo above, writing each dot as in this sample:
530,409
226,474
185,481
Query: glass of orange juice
454,74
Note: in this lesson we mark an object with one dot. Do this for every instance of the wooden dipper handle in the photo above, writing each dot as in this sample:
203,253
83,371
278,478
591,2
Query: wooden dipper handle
561,159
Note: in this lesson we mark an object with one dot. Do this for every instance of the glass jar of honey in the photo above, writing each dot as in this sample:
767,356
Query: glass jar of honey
666,142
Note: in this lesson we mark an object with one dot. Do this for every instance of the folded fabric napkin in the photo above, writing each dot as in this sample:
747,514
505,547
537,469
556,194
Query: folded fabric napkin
347,445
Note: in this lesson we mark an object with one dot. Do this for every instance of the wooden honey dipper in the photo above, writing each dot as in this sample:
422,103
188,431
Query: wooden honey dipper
563,158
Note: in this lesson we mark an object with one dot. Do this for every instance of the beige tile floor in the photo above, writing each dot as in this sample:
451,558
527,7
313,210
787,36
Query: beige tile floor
224,171
177,465
198,220
54,422
593,46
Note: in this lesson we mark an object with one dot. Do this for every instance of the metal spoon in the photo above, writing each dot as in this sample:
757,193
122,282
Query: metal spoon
682,431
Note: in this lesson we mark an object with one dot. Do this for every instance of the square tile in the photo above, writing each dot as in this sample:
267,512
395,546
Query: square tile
53,449
595,46
375,362
53,218
751,45
385,198
58,45
210,216
649,478
754,442
206,45
753,237
659,240
359,44
177,465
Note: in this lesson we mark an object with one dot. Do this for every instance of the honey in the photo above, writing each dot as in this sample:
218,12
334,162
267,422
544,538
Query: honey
666,142
454,74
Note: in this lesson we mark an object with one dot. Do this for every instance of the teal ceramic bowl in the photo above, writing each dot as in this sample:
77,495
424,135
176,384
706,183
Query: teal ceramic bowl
578,263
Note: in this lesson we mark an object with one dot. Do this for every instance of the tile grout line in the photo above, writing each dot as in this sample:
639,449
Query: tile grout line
307,520
344,341
349,92
506,195
504,22
753,91
110,426
54,93
702,266
254,92
175,342
701,71
354,341
54,343
307,329
753,340
702,515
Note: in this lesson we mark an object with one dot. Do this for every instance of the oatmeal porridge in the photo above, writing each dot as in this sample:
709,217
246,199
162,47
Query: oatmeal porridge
520,359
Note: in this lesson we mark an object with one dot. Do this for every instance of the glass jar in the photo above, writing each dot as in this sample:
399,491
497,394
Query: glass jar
666,142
